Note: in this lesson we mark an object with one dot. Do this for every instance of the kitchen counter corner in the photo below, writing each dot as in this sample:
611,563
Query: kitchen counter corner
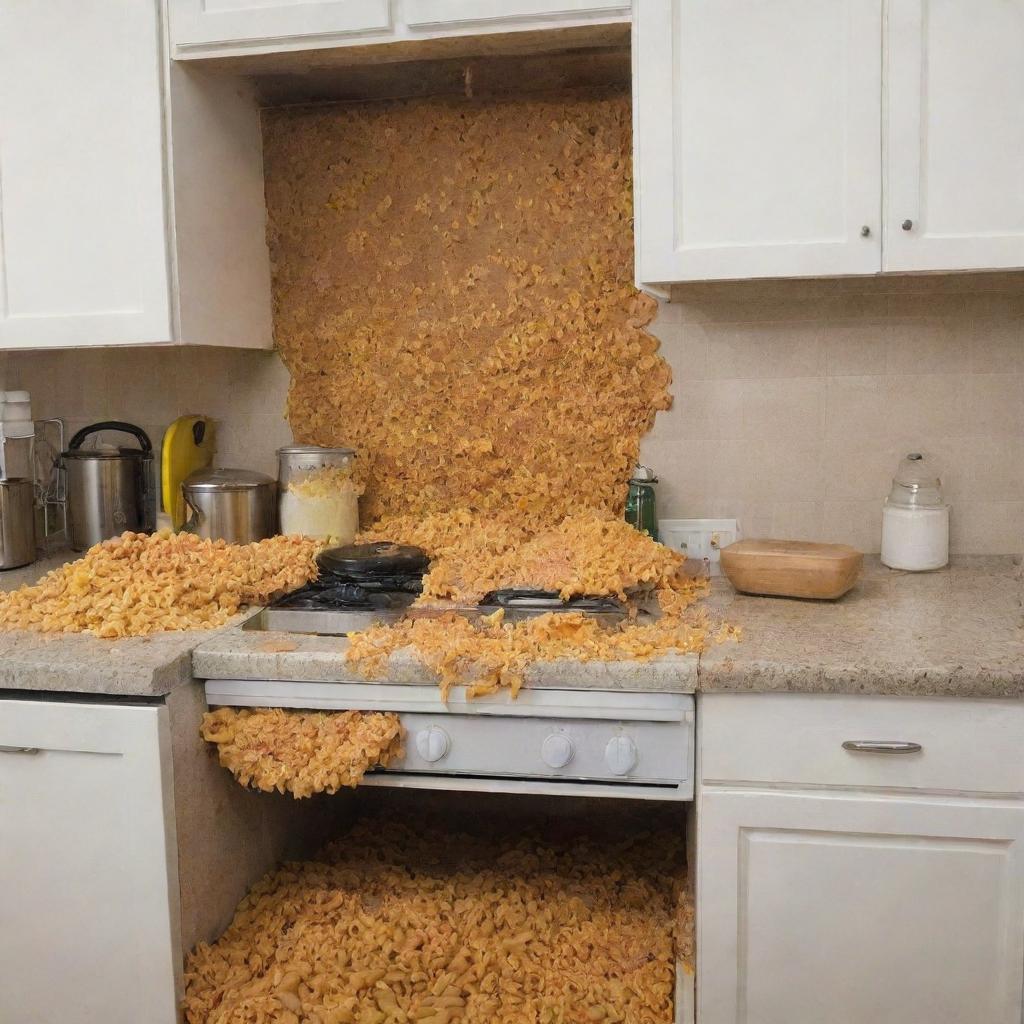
148,666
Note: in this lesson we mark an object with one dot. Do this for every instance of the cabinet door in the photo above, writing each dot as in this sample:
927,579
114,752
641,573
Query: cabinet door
204,27
844,909
955,135
431,13
758,138
87,932
83,246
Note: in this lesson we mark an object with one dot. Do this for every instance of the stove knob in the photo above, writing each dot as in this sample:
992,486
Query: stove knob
620,755
557,750
433,743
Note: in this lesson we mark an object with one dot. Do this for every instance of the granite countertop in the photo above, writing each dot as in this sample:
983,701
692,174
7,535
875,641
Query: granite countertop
149,666
954,632
254,654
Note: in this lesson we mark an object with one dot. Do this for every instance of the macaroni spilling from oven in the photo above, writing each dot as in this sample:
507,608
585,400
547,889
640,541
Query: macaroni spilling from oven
302,752
393,924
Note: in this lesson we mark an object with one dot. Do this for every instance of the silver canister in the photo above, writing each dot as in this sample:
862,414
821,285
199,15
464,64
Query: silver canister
17,523
234,505
110,489
297,461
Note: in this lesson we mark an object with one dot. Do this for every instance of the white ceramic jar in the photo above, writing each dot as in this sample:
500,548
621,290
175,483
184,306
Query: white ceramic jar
915,519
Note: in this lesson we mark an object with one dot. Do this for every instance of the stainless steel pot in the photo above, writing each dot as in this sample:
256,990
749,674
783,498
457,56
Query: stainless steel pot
235,505
17,523
109,490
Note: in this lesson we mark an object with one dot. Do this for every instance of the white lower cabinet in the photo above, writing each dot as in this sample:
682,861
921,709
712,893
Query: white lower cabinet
858,904
88,876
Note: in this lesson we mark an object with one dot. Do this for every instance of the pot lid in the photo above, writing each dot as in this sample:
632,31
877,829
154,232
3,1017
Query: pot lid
107,451
226,480
369,559
313,449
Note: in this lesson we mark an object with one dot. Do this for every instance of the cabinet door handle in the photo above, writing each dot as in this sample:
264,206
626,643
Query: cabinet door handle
882,747
18,750
907,225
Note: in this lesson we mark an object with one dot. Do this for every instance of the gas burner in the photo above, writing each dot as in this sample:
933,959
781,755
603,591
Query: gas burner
540,601
325,596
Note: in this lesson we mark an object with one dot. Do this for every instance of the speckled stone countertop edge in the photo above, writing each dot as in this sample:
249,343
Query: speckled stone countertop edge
956,633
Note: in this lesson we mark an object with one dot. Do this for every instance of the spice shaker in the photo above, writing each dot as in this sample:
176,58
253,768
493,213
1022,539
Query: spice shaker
641,504
915,518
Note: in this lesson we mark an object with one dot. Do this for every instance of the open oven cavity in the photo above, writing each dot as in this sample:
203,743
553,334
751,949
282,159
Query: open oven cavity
446,906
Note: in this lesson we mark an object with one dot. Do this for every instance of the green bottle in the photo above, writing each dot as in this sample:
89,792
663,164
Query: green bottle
641,507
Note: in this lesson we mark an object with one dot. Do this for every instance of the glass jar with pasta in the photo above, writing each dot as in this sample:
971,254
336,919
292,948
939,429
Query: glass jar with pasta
319,496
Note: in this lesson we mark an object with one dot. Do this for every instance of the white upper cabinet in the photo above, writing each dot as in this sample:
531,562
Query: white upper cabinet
443,12
954,178
758,139
131,195
220,28
83,250
216,24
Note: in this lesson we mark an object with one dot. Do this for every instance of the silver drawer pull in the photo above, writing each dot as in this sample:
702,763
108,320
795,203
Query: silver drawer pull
882,747
18,750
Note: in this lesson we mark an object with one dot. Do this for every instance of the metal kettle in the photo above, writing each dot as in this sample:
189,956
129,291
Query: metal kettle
110,489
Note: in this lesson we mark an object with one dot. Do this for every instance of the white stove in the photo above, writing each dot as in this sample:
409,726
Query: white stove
612,743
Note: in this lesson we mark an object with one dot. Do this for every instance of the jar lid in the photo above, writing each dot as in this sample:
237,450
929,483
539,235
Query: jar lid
643,475
916,484
227,480
313,449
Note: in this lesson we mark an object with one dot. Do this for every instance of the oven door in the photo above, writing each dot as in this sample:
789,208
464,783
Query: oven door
568,742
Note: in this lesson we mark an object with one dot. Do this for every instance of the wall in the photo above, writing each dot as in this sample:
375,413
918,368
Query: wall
243,391
793,401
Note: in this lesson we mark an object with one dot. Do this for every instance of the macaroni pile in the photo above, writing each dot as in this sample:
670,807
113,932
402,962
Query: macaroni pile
302,752
590,553
593,553
138,584
488,655
454,297
389,924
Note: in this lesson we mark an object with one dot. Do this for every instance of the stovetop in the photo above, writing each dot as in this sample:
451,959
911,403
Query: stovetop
335,608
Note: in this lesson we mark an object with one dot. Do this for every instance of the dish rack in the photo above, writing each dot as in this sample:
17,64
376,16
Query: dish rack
45,445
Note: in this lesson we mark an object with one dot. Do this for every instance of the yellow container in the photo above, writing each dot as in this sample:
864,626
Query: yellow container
188,446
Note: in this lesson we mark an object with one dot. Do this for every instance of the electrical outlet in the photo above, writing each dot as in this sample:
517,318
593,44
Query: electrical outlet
700,540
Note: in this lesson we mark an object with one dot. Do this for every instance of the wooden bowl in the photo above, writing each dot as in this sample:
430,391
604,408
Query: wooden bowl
792,568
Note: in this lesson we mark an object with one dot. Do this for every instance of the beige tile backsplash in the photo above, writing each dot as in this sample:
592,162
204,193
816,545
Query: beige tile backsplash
794,400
